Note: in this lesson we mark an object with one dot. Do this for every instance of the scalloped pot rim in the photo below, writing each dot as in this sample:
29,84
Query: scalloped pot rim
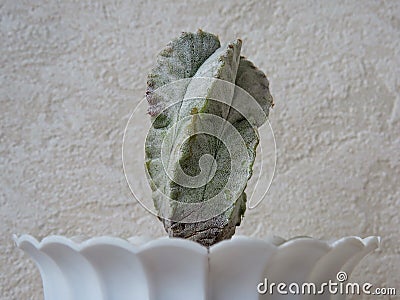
138,244
110,268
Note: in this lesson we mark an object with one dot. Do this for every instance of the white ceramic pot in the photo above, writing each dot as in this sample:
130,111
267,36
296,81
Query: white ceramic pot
108,268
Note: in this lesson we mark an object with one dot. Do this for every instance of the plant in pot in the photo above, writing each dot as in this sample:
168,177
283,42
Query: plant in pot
206,103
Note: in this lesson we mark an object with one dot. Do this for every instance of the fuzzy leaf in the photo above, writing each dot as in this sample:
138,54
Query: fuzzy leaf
200,151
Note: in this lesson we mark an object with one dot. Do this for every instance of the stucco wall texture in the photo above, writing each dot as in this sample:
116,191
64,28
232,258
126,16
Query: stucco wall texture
72,72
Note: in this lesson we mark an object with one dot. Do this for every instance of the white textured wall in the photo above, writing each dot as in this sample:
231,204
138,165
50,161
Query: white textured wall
72,72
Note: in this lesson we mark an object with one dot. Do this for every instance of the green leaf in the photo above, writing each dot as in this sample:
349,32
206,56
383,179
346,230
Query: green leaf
201,147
